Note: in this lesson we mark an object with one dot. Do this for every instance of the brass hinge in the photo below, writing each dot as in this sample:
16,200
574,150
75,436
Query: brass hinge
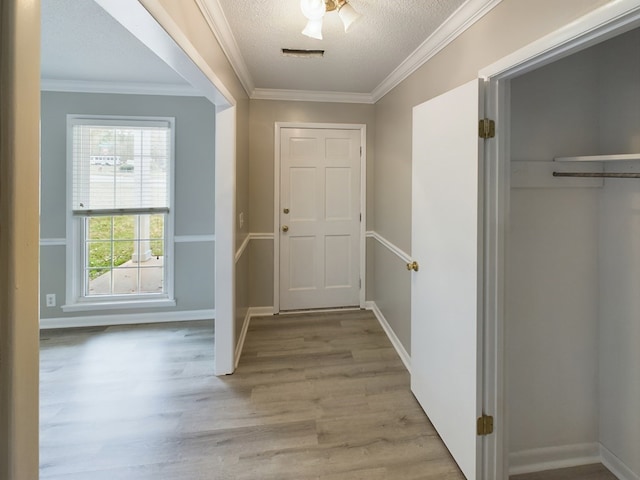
485,425
487,128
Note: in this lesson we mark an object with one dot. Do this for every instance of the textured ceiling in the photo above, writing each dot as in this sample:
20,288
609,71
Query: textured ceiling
357,61
81,42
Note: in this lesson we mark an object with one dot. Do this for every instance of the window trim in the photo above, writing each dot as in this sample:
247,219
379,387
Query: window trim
75,299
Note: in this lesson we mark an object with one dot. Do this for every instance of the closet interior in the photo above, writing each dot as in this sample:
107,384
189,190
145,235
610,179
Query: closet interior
572,318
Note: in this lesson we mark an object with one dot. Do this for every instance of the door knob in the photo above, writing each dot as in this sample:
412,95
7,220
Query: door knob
285,228
413,266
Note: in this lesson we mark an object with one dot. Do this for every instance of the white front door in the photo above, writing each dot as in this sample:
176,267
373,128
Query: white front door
319,218
446,290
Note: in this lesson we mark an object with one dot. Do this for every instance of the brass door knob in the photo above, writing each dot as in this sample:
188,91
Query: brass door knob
413,266
285,228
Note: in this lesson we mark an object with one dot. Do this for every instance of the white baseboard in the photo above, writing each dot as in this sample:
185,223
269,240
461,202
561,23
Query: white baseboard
266,311
284,313
260,311
395,341
242,337
126,319
541,459
251,312
616,466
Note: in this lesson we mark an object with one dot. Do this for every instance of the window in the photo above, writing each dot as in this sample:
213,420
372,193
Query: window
120,215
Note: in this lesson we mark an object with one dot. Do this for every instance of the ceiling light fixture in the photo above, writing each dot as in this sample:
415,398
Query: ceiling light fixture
314,10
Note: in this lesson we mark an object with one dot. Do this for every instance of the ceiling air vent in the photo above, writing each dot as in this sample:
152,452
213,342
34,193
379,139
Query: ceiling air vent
296,52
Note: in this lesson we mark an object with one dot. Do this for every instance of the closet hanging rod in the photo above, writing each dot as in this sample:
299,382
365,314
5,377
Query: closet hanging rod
596,174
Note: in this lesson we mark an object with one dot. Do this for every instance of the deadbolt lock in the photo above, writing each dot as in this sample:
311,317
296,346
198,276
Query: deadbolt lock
286,210
285,228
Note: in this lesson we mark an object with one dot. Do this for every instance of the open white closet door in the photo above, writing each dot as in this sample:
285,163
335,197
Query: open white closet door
446,290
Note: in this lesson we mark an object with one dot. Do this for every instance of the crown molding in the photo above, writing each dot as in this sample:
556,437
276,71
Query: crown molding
311,96
581,33
83,86
217,21
469,13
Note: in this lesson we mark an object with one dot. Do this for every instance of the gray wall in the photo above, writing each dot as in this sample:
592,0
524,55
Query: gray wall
242,294
619,329
551,318
573,314
509,26
242,280
264,115
194,192
187,17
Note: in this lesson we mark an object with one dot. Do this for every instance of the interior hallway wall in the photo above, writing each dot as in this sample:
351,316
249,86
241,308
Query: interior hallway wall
551,295
243,278
619,381
19,224
193,180
264,114
509,26
186,15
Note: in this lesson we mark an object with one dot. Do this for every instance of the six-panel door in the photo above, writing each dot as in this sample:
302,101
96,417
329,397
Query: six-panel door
319,218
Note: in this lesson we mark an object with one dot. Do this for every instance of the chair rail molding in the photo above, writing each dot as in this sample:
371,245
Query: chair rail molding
401,254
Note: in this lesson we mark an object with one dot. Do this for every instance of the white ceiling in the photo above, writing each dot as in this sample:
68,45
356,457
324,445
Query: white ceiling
82,45
356,61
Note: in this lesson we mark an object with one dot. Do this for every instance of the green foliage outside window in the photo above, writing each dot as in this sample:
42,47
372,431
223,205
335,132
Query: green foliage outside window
111,241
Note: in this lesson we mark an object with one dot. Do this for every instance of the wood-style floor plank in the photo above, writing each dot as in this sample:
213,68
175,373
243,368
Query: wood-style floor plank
316,397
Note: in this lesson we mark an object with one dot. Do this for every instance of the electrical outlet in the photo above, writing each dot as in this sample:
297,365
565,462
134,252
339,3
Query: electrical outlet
51,299
241,219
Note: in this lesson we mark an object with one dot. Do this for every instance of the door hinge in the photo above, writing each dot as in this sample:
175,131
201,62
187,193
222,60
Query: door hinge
361,151
360,217
359,283
485,425
487,128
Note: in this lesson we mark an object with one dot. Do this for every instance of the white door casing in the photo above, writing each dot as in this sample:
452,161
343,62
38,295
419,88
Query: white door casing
319,255
596,26
446,291
153,25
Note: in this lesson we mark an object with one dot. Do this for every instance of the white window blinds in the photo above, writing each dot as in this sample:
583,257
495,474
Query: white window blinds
120,166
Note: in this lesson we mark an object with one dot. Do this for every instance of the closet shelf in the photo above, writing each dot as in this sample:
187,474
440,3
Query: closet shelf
600,158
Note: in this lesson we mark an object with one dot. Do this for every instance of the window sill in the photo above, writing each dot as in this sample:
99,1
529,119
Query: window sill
119,305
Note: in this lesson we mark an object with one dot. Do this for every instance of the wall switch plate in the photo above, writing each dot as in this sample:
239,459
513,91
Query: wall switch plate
51,299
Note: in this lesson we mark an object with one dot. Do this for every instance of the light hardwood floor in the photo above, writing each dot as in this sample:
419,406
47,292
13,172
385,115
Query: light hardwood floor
316,396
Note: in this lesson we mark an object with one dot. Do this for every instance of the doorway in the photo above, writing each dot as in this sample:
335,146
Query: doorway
211,254
524,246
319,216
